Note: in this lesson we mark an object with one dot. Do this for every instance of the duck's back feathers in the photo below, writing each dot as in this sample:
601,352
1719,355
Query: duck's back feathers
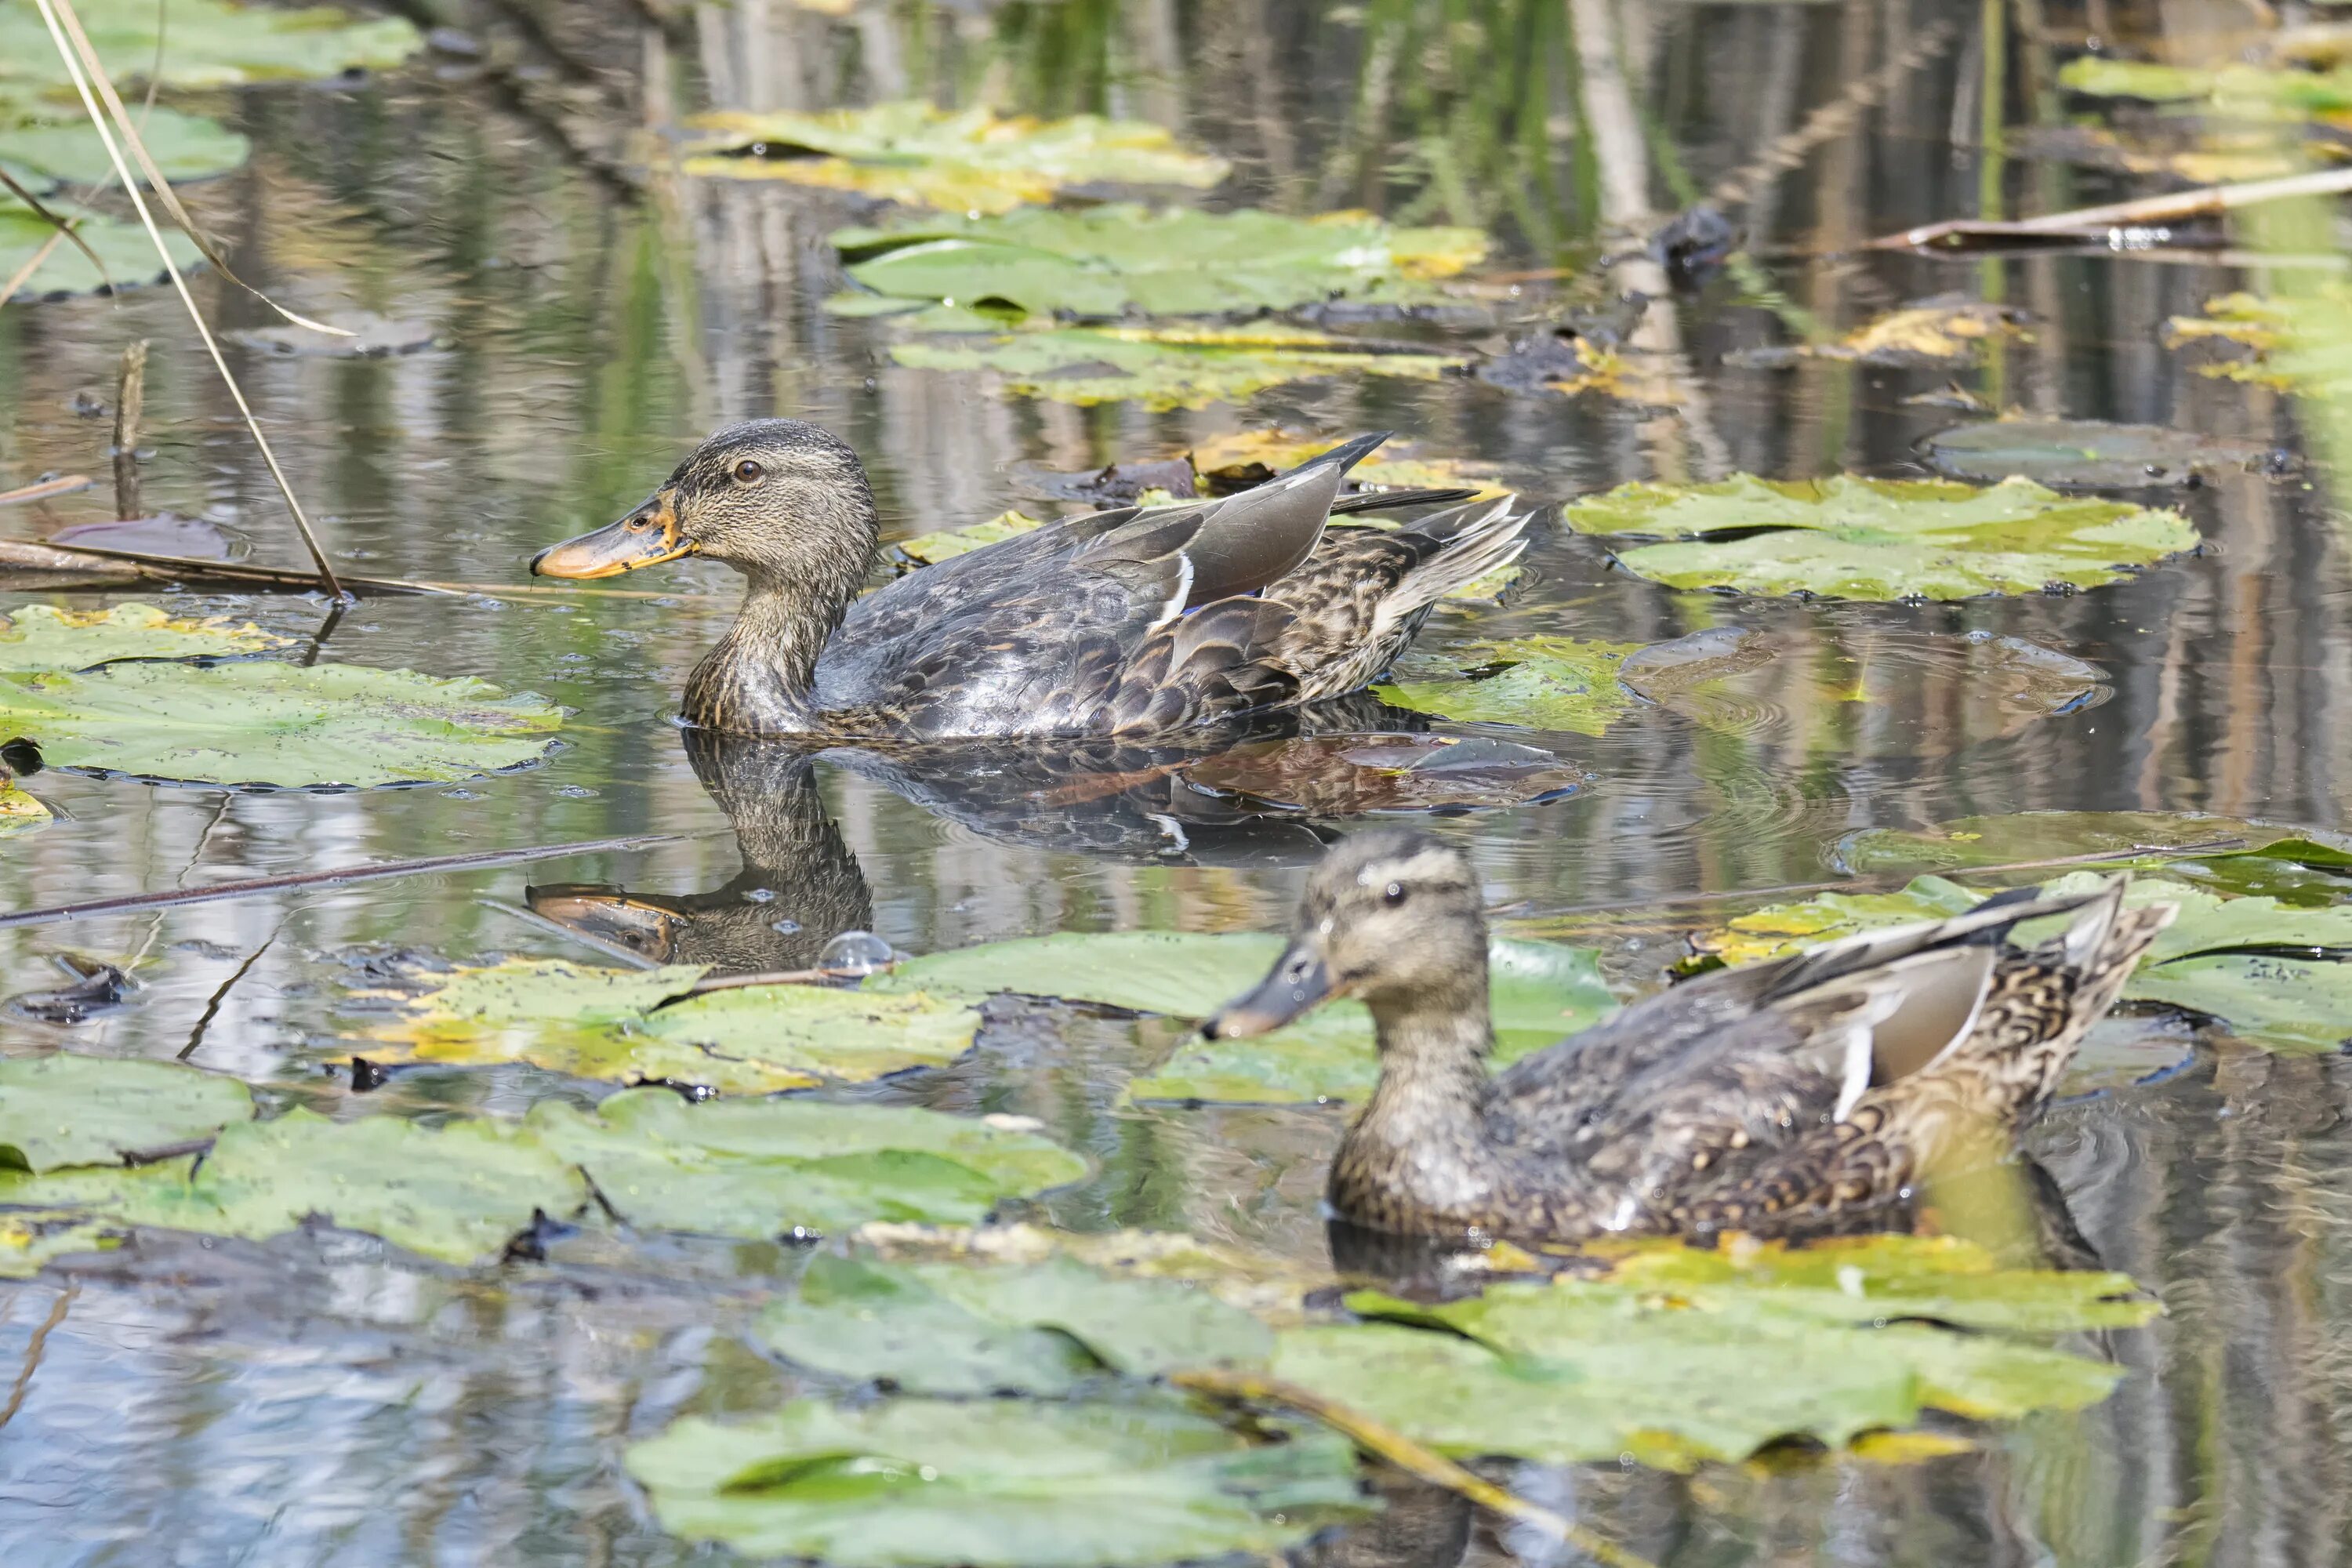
1153,620
1820,1082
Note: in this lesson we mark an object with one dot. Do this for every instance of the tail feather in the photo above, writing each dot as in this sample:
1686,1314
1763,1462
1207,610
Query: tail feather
1472,540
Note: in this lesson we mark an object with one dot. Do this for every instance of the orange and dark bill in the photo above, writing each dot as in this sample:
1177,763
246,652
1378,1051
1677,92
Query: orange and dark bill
609,915
1298,984
646,537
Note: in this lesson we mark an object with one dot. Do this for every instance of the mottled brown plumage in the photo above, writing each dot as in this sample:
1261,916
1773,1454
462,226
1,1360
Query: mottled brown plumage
1789,1093
1130,623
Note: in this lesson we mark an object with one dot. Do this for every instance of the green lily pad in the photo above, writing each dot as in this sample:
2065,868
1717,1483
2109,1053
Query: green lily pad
268,722
128,255
1547,683
1676,1359
48,143
1168,366
1043,1328
1830,917
947,543
458,1193
991,1484
207,43
2290,1005
968,162
2092,454
1852,538
1970,842
759,1168
84,1110
39,637
1109,261
641,1025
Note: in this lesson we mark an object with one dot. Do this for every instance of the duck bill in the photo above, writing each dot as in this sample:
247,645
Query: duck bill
610,916
1297,984
646,537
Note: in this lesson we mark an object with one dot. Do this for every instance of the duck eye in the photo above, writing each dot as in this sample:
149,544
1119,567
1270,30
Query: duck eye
1392,894
747,472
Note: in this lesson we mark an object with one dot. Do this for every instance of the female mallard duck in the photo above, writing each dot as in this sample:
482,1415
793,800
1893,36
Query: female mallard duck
1123,622
1793,1092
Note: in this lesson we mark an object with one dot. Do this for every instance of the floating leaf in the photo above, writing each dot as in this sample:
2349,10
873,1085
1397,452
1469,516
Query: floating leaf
1269,1287
2041,836
1042,1328
1246,457
991,1484
1680,1356
29,1241
207,43
48,143
1829,916
1166,367
1948,330
458,1193
1546,683
2093,454
1852,538
968,162
127,253
2199,155
947,543
38,638
20,813
2245,91
85,1111
274,723
1356,775
2286,1004
641,1025
1109,261
761,1168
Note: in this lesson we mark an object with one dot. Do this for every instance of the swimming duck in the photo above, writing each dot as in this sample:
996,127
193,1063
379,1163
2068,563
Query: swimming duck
1787,1093
1132,622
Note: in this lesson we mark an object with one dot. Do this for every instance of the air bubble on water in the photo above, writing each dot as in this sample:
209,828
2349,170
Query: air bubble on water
856,953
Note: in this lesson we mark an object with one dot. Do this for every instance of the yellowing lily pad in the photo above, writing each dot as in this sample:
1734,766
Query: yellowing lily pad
1677,1357
1852,538
909,1483
971,161
1166,366
1109,261
268,722
1540,682
642,1026
20,812
1950,330
1250,457
38,638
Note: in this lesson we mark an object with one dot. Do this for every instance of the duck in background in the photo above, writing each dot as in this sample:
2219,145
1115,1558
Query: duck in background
1132,622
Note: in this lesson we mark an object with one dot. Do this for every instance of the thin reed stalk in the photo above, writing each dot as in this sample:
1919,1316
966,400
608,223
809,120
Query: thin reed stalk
82,64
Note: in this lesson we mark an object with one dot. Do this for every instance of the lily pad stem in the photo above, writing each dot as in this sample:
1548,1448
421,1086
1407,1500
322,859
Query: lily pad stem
1385,1442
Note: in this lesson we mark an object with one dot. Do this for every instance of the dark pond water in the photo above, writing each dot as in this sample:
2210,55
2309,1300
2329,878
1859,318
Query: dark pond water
310,1402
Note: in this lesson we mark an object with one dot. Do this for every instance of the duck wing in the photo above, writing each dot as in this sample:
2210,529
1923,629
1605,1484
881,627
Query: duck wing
1106,624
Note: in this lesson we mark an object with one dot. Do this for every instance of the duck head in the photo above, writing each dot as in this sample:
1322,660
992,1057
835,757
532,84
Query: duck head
778,499
1394,917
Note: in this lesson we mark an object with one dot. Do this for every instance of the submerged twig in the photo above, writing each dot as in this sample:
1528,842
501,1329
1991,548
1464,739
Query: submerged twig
1385,1442
338,877
58,14
1962,234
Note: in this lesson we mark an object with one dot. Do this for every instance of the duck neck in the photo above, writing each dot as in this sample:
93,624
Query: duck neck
1434,1049
761,678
